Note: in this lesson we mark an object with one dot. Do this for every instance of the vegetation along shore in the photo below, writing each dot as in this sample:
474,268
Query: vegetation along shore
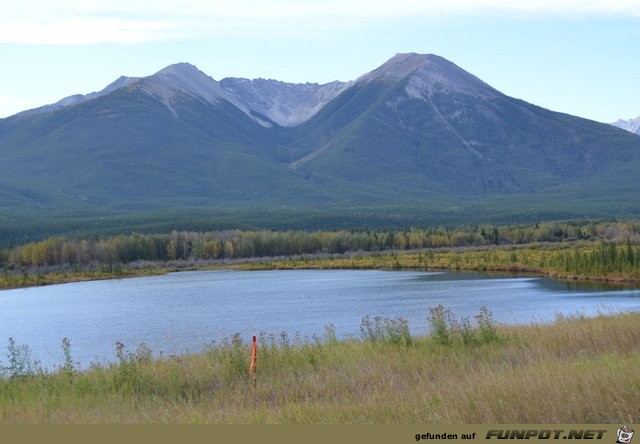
468,370
597,250
577,370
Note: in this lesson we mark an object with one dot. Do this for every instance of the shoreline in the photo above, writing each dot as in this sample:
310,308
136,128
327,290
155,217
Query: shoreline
493,374
306,263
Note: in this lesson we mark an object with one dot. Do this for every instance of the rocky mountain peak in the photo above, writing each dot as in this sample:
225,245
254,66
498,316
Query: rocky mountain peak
287,104
398,67
426,73
632,125
186,78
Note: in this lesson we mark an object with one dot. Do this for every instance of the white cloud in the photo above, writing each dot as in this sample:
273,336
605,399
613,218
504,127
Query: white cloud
133,21
79,31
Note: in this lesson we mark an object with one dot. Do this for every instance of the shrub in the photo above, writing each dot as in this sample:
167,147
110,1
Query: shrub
467,332
20,363
386,330
330,334
486,326
235,355
68,367
129,376
439,324
445,329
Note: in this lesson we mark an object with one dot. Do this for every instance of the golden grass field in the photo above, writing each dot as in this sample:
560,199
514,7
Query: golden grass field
576,370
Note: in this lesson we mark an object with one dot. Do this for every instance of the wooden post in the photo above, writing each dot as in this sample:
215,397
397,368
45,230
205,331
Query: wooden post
252,367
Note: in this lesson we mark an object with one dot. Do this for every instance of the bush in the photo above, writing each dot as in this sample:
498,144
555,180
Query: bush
487,329
68,367
129,376
235,358
330,337
386,330
20,363
440,324
445,329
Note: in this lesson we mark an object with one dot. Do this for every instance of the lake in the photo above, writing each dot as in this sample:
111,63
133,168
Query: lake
186,311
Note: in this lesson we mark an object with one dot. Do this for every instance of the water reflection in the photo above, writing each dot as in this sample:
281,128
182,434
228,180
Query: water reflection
586,286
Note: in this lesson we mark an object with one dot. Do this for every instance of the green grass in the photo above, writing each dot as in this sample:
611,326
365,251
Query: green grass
572,261
578,370
555,261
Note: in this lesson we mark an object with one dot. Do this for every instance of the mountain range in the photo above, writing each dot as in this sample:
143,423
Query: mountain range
632,125
418,135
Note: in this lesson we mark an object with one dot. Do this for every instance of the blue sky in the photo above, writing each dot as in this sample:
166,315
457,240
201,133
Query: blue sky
576,56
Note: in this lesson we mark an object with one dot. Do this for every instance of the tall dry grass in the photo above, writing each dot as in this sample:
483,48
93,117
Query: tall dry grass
577,370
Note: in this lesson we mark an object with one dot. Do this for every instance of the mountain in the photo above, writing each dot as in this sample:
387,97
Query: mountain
286,104
417,137
632,125
176,137
419,125
121,82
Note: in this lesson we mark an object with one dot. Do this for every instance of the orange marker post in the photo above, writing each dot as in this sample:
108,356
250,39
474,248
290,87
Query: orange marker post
252,367
254,349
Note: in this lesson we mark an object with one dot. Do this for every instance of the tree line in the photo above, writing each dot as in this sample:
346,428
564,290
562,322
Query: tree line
230,244
606,258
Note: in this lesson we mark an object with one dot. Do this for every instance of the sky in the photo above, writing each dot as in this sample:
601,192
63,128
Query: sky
580,57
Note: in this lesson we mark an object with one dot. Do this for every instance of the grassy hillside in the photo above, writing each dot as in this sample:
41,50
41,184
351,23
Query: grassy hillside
568,372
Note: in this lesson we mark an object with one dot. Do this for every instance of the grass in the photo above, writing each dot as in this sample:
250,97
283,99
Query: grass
53,278
577,370
538,259
551,260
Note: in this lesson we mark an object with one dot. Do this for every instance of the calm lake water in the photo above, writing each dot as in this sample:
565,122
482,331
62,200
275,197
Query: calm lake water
186,311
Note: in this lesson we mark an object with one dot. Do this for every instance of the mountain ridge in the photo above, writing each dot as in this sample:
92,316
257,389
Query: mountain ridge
631,125
251,100
417,132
